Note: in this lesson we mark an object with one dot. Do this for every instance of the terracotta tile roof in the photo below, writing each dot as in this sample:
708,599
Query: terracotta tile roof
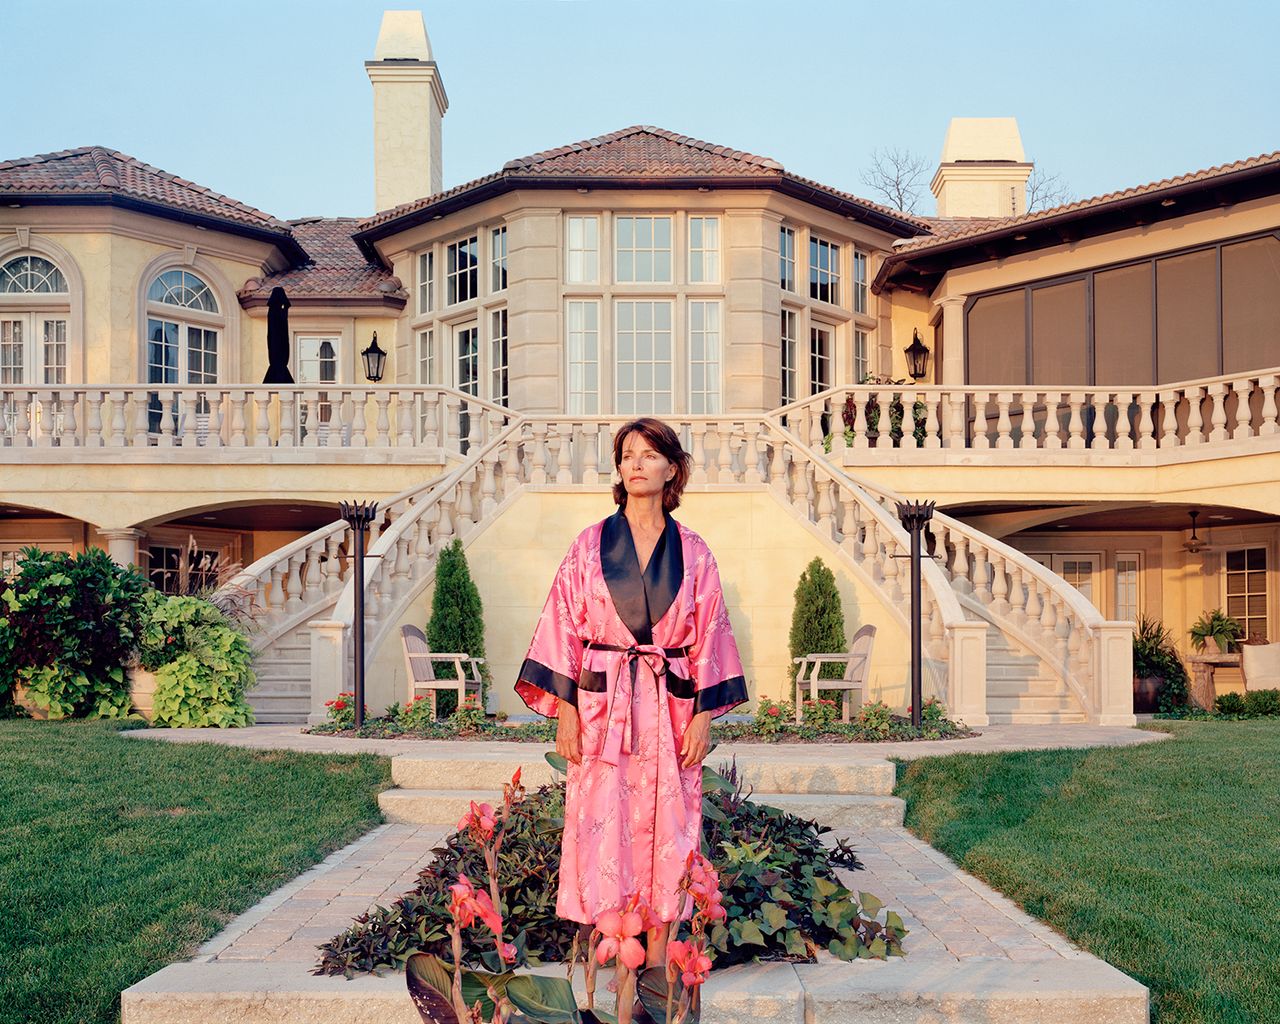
978,227
337,268
92,170
644,154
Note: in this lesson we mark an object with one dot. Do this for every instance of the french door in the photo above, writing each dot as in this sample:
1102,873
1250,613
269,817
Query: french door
179,353
33,352
317,363
1082,571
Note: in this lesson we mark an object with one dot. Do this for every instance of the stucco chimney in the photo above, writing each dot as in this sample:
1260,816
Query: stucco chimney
984,171
408,104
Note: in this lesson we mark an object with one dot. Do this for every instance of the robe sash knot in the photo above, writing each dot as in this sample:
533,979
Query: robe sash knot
618,716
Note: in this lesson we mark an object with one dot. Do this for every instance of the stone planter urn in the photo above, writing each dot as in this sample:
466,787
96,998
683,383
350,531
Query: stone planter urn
142,691
21,699
1146,694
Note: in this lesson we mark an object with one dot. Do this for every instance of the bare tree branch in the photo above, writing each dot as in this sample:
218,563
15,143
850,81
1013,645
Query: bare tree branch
1045,191
898,175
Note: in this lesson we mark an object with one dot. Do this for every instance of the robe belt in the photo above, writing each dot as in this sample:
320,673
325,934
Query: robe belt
617,739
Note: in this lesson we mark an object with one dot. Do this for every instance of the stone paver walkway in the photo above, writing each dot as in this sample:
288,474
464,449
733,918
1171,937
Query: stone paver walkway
992,738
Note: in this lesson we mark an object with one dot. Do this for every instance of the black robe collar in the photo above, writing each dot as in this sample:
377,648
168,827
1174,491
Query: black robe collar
641,599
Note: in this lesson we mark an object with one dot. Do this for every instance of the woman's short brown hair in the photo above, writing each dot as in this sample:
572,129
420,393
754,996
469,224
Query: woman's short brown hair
664,441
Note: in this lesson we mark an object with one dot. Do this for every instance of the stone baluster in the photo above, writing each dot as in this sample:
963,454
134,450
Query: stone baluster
1075,422
860,439
464,508
981,577
1169,419
404,419
1123,437
236,436
1017,596
93,419
446,531
488,484
430,416
510,466
1075,647
188,430
877,411
931,420
1004,423
43,402
871,550
309,404
382,420
1269,416
311,574
698,470
1052,436
1061,632
293,583
359,427
1195,417
333,563
981,420
776,459
168,424
422,544
1218,411
140,419
937,633
826,506
564,453
817,439
1241,426
262,418
217,421
287,422
276,598
475,421
953,416
538,456
1033,610
1048,613
716,441
751,453
893,570
999,585
960,580
116,417
1146,420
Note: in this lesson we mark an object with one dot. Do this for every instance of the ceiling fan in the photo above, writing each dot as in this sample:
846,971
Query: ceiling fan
1195,543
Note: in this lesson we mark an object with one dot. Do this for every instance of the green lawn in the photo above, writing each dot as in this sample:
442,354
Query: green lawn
1162,859
118,856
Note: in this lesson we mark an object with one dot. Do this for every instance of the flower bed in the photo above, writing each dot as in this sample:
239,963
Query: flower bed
1233,707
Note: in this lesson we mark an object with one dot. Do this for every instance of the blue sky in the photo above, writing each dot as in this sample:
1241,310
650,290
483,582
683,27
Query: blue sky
268,101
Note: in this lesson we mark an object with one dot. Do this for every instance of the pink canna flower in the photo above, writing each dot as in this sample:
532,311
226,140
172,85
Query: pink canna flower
618,930
689,960
506,951
467,903
480,821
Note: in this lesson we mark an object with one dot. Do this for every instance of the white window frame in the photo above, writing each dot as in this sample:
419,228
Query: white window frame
859,281
789,356
704,259
498,259
582,261
787,258
429,362
499,357
636,252
830,275
639,363
35,311
463,382
427,281
1248,592
861,355
826,359
455,273
708,399
1136,558
582,351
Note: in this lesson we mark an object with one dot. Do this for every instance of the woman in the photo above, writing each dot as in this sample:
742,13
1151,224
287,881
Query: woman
634,655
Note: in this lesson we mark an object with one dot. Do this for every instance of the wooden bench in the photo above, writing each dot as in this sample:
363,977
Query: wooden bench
419,667
857,665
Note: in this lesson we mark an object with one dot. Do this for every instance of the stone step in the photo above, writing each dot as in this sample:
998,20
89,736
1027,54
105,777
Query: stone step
282,684
275,697
445,807
1036,718
1023,703
871,778
1060,991
266,717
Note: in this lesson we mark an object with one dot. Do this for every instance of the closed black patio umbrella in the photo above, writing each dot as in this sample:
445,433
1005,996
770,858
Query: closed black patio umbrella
278,338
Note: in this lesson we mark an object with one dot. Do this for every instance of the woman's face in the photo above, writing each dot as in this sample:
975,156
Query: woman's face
644,470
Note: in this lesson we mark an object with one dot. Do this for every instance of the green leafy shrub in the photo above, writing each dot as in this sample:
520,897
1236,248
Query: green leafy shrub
341,711
1219,627
821,713
68,624
781,897
457,621
470,716
875,719
1262,703
817,623
1154,654
1229,704
202,662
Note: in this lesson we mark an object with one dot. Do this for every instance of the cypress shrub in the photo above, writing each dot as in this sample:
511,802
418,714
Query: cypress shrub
457,621
817,624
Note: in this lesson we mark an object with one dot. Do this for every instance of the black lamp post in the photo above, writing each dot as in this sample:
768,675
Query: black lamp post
358,516
914,515
917,357
374,360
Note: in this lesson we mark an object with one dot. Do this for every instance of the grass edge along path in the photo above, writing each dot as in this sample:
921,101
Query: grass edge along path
1163,859
118,857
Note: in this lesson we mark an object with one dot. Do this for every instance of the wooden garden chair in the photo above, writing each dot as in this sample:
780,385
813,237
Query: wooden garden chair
419,666
857,665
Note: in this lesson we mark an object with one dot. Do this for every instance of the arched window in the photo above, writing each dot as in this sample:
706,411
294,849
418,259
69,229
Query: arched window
35,303
184,327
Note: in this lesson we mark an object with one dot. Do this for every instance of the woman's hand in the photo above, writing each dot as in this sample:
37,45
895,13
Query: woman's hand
697,739
568,735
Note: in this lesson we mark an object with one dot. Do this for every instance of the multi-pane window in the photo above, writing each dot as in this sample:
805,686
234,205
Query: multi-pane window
704,357
498,259
582,248
318,364
859,281
1128,570
1246,582
820,349
428,362
180,571
787,259
462,270
861,357
642,250
33,348
467,339
426,282
583,322
500,386
182,340
790,355
182,288
824,270
704,250
643,363
31,275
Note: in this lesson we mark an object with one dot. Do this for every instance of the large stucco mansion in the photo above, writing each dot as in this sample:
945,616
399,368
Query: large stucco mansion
1079,381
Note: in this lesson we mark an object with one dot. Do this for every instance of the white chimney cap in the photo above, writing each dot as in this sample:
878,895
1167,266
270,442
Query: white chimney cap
985,139
403,36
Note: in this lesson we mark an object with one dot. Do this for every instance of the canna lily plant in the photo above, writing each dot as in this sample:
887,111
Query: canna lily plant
452,994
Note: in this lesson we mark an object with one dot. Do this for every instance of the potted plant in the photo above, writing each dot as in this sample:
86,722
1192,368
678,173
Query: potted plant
1219,627
1159,679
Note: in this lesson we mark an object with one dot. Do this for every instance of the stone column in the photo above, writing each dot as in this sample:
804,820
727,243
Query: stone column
535,337
952,339
330,665
751,360
122,544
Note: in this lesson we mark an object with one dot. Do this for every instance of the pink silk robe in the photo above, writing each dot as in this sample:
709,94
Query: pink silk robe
631,813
